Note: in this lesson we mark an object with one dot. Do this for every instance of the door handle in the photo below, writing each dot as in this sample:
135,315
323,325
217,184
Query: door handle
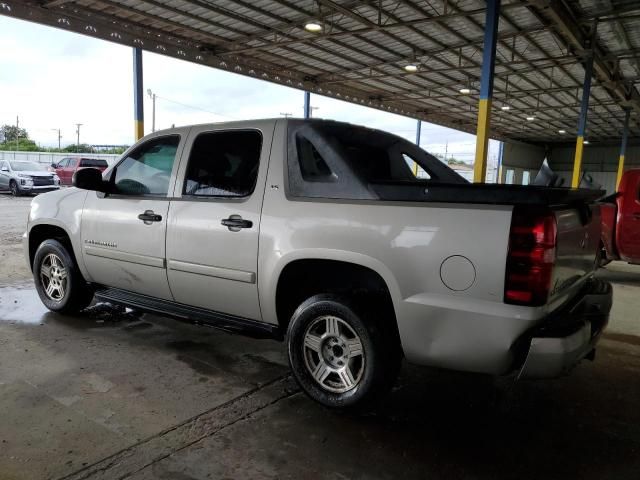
235,222
149,216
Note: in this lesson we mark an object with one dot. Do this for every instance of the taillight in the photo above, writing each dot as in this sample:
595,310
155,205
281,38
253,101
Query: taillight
531,256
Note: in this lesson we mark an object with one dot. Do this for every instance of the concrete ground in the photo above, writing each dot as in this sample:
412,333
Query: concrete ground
107,395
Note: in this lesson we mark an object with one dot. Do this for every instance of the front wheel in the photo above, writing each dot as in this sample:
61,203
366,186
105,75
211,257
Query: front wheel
339,355
58,280
13,186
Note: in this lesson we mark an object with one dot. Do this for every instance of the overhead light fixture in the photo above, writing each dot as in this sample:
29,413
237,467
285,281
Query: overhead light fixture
530,118
411,67
505,107
562,131
465,91
313,26
586,142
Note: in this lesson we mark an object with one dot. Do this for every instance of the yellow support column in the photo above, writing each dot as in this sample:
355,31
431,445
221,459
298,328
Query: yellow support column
482,141
623,147
486,90
577,162
582,123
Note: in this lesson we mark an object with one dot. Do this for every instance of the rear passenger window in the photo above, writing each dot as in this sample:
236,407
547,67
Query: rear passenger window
147,170
416,169
93,162
312,166
224,164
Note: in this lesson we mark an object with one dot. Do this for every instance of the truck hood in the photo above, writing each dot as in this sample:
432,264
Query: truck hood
34,173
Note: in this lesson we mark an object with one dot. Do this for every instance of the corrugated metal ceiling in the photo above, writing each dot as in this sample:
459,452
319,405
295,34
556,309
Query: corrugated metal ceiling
360,54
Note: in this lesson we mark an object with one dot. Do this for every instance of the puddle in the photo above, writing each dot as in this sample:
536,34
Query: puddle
21,304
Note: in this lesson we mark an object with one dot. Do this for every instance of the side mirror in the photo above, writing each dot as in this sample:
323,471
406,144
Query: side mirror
5,169
89,179
54,165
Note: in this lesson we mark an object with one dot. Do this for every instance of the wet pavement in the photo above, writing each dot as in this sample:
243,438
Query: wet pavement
110,394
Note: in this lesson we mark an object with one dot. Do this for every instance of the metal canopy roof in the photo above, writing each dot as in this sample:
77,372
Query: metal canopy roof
360,54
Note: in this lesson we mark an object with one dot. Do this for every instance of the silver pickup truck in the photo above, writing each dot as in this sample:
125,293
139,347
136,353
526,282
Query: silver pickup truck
353,245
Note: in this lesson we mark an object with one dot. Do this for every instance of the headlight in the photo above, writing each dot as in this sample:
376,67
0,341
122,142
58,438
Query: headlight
22,175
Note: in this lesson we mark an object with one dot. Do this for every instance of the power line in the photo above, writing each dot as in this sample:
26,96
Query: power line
194,107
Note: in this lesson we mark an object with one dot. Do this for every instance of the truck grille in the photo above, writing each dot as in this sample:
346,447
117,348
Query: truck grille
42,181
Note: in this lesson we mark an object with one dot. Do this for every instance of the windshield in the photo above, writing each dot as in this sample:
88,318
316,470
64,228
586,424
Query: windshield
26,166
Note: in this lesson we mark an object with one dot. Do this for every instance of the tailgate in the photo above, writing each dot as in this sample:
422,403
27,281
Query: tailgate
578,241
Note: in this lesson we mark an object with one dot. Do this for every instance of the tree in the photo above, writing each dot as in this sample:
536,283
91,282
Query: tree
82,148
9,133
24,144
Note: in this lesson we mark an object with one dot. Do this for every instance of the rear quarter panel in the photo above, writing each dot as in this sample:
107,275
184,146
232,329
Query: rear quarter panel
627,234
405,243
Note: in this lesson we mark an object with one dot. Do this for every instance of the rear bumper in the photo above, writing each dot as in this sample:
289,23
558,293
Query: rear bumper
568,335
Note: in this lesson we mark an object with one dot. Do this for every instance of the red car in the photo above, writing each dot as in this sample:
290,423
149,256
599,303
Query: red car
621,221
68,166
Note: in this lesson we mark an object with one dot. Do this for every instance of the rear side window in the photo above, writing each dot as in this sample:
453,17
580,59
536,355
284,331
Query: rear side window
417,170
93,162
313,167
147,170
223,164
342,161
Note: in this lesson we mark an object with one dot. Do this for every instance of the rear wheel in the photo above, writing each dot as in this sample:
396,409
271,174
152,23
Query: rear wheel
58,280
339,354
13,186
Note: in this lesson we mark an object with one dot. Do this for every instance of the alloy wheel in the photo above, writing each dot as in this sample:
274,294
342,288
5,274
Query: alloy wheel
53,277
333,354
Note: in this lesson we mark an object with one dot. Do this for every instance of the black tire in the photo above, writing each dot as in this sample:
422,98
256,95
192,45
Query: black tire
377,370
75,294
15,189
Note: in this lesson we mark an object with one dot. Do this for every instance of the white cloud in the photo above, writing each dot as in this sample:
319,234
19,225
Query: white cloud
54,79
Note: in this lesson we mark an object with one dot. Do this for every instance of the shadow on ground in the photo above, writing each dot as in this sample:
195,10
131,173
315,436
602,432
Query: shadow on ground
110,394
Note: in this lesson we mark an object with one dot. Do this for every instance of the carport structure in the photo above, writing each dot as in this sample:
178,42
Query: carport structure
564,71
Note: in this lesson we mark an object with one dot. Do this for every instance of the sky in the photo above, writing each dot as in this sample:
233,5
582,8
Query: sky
53,79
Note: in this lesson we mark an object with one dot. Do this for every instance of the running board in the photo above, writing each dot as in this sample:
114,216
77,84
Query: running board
180,311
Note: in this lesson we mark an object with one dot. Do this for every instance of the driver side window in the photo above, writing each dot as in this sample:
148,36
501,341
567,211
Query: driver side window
147,170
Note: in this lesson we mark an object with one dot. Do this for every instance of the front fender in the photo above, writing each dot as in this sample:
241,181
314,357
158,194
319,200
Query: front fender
62,209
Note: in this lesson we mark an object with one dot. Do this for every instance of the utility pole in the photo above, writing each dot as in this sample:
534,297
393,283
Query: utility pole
78,125
59,135
17,132
286,114
153,109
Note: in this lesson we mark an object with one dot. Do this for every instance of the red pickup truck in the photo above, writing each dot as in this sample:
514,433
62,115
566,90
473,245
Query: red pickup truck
68,166
621,221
